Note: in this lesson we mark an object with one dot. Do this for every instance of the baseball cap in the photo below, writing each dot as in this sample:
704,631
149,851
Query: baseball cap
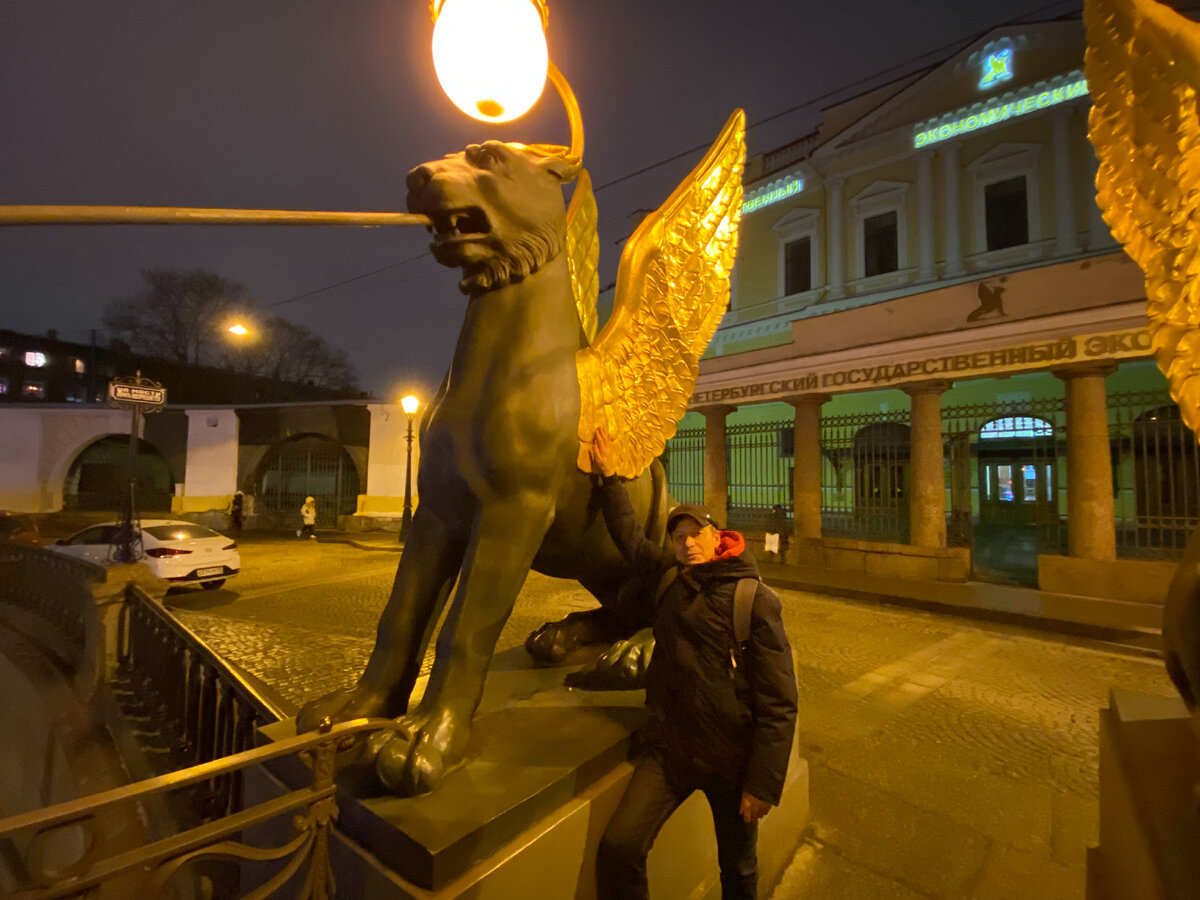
693,511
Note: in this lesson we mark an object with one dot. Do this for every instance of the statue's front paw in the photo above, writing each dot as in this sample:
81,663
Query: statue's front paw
415,761
408,768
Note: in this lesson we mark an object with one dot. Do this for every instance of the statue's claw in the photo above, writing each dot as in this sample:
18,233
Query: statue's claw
414,760
620,668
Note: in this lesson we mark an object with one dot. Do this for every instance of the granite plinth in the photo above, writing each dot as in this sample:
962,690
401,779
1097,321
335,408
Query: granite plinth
1149,809
535,745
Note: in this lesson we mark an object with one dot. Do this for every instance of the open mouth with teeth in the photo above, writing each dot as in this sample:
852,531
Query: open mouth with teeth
458,224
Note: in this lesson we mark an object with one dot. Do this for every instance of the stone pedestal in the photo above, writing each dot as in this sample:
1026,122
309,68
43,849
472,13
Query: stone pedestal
524,816
1149,811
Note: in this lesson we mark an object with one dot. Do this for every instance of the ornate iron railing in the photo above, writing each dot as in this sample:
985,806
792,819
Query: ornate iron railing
683,460
759,459
200,707
62,846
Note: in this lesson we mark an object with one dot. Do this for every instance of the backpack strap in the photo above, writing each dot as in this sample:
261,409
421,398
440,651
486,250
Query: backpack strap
743,602
668,579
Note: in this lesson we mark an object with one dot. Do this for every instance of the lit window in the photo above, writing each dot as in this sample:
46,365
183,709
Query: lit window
1006,213
80,368
35,359
3,386
881,244
34,389
798,266
1016,427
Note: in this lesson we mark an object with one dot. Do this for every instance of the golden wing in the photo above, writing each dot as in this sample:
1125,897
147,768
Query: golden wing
1143,66
583,252
672,290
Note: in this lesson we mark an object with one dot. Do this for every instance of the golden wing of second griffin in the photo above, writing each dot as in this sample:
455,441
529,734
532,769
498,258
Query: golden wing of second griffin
1143,69
672,289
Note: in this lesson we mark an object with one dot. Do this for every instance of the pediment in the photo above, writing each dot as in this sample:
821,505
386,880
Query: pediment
1037,52
799,217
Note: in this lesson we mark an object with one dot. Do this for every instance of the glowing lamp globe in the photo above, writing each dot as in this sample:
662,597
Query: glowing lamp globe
490,56
409,404
239,329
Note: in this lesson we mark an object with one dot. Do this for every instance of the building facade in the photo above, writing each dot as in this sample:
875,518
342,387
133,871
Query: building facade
935,356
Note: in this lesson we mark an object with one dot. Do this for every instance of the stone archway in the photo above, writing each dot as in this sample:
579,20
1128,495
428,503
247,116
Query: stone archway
306,465
98,478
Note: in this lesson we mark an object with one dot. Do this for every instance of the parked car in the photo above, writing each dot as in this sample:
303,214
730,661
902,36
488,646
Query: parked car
178,552
19,529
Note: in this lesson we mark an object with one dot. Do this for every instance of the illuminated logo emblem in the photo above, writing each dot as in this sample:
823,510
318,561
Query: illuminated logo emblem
997,68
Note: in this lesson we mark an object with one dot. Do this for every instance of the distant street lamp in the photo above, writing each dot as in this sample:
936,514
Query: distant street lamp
238,329
409,404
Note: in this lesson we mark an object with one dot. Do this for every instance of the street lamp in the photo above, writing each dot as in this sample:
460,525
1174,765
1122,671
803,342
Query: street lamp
409,404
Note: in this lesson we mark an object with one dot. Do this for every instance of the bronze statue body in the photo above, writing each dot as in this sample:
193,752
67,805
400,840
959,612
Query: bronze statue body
1181,629
499,488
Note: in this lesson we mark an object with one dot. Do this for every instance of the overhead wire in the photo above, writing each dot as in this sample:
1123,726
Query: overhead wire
909,64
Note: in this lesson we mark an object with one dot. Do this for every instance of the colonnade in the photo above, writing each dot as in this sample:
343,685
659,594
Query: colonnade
1090,507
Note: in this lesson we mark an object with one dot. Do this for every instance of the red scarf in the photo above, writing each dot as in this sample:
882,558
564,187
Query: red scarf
730,545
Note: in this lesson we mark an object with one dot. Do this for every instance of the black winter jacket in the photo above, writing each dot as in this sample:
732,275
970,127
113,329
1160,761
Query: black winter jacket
714,709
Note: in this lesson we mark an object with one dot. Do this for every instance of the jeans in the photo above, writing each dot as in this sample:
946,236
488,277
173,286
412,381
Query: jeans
645,807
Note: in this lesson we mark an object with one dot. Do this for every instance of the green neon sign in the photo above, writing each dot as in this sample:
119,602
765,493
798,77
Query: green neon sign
790,188
1000,112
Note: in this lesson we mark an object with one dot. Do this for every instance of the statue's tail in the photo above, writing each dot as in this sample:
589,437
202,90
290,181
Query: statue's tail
660,504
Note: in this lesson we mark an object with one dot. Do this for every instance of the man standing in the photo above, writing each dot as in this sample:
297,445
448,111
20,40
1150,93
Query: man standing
722,716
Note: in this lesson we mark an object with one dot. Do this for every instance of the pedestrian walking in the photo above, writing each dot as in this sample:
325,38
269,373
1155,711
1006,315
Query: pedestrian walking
308,515
721,694
236,505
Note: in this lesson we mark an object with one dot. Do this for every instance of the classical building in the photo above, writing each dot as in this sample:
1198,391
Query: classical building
935,357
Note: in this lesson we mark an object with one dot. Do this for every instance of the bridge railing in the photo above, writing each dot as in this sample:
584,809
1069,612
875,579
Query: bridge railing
201,708
62,846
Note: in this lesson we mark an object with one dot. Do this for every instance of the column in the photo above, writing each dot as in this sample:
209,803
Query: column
927,491
806,476
928,265
1064,195
387,457
953,219
211,471
1091,523
716,469
837,259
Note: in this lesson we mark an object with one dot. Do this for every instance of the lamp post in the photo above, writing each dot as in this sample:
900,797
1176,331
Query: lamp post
409,404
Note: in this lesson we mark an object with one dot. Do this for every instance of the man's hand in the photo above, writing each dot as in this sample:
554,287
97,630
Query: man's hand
601,452
753,809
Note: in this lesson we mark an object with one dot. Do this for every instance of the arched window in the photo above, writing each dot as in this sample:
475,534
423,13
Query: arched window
1016,427
880,453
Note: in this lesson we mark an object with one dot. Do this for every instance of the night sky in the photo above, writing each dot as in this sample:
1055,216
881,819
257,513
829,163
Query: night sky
317,104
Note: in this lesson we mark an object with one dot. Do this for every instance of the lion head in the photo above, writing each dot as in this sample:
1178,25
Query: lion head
497,211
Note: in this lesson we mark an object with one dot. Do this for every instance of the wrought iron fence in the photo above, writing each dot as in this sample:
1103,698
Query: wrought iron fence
1156,475
683,460
759,458
865,476
201,708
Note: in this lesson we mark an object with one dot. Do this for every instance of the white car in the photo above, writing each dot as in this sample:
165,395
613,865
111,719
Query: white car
178,552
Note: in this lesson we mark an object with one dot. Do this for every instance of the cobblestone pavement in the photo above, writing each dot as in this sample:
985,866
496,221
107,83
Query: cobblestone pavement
949,759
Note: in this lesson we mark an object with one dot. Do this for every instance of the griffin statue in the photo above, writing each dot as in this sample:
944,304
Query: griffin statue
1143,70
504,483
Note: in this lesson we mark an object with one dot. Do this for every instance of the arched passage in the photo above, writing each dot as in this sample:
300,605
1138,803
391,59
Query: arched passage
306,465
98,479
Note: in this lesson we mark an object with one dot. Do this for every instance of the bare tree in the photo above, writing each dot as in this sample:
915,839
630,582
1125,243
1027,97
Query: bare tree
178,315
184,315
289,352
